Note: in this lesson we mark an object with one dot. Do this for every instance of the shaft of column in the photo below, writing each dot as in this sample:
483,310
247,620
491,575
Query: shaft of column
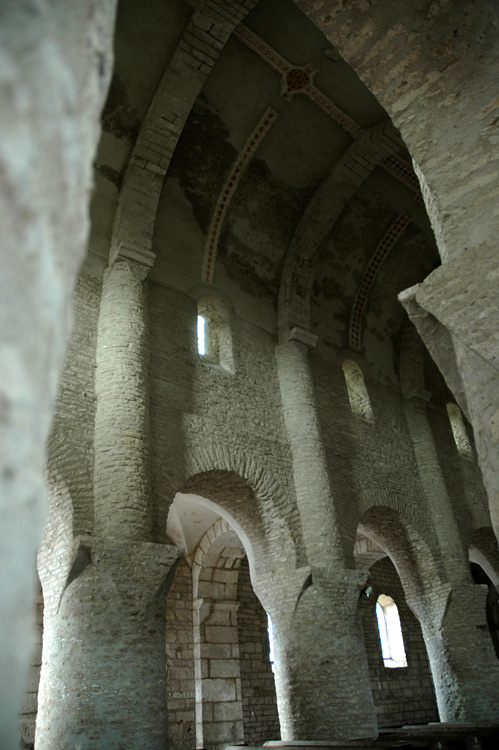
313,491
322,677
473,379
103,675
480,379
438,503
462,659
121,480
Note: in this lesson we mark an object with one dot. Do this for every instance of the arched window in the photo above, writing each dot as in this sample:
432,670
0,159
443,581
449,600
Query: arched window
390,632
357,391
214,341
459,430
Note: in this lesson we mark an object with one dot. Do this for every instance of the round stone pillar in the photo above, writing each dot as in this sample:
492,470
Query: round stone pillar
322,678
121,479
311,479
452,614
321,672
462,659
438,502
103,676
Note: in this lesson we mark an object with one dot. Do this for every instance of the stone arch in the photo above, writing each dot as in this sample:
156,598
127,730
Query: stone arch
404,543
402,692
197,51
411,520
213,546
217,668
417,64
261,506
484,564
320,216
366,552
234,500
223,457
269,496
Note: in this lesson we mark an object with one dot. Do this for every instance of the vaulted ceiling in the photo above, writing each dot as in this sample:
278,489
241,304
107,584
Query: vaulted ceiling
287,188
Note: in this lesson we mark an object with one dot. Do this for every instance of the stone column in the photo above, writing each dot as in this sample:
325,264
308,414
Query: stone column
311,479
452,614
322,679
321,673
103,677
462,658
457,321
438,503
219,709
121,479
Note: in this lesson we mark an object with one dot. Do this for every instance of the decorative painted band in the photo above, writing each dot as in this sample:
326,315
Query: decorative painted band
228,190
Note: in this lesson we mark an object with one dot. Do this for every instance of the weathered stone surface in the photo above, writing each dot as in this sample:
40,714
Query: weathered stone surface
111,689
55,61
212,149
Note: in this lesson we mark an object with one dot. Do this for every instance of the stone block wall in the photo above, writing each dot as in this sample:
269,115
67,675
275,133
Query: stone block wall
401,695
180,699
220,718
261,721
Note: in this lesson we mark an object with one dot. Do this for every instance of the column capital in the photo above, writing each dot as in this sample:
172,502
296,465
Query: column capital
137,569
141,255
302,336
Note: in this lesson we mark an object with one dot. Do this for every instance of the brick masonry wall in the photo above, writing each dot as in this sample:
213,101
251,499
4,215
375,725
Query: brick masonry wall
180,697
261,722
374,464
201,410
461,474
401,695
369,464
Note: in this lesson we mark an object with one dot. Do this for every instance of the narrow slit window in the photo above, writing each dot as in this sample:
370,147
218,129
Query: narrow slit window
390,633
461,438
270,631
214,340
201,333
357,391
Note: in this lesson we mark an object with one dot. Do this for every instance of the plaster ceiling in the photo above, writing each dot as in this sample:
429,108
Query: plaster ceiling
276,113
